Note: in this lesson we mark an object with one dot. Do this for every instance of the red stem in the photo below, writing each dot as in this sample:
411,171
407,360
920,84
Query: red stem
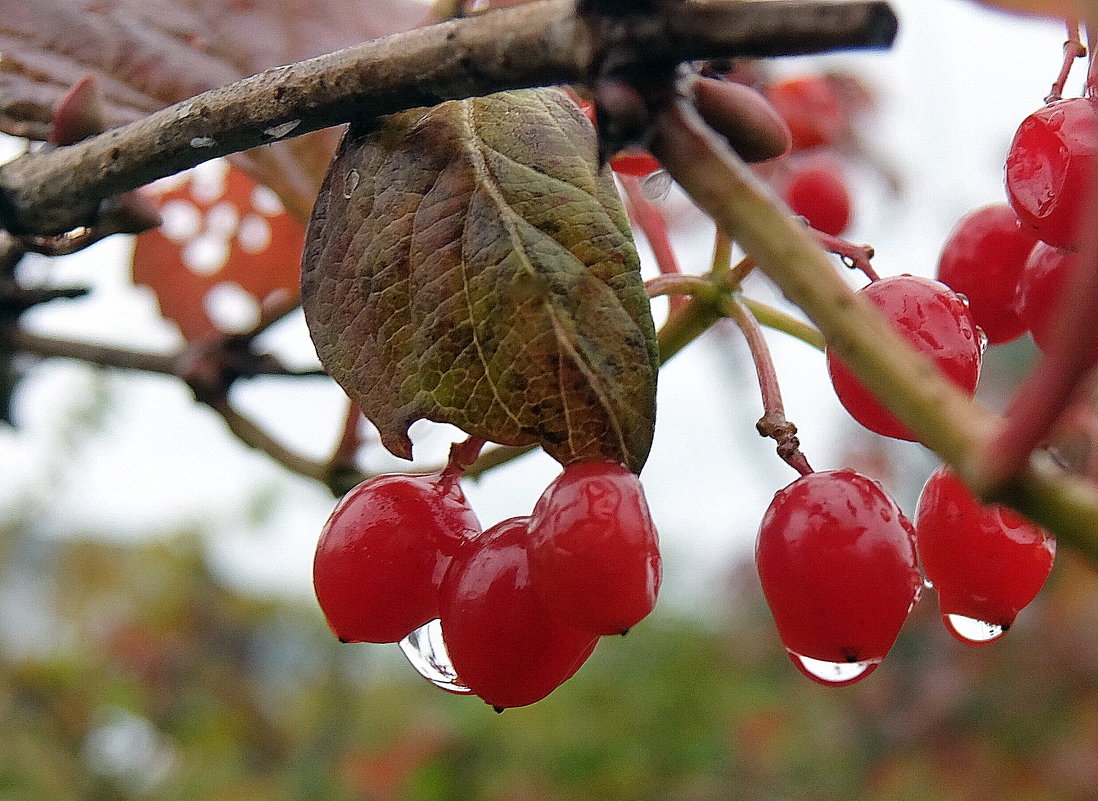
773,423
856,257
1073,49
462,454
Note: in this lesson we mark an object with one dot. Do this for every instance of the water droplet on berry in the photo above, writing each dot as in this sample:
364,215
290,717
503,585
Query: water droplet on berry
426,650
350,183
971,631
928,584
961,296
983,339
833,674
657,185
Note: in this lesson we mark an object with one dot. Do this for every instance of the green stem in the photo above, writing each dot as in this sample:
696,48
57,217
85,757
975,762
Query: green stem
786,323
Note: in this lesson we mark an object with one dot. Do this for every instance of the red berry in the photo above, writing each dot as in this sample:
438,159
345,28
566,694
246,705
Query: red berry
837,564
986,562
811,108
594,552
1050,168
503,644
982,259
1046,273
936,322
817,192
383,552
635,161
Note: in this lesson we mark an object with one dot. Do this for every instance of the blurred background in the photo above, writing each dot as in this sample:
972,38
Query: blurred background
159,639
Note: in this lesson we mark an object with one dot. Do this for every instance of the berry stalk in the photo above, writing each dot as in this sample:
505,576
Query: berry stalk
773,423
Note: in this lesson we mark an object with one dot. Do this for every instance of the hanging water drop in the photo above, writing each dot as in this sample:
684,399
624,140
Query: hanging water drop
426,650
350,183
833,674
982,338
657,185
971,631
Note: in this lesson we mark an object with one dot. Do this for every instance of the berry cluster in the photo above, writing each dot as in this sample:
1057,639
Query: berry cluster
508,613
1013,261
840,565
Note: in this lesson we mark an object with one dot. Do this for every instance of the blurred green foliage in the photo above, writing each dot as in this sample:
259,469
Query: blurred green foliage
131,672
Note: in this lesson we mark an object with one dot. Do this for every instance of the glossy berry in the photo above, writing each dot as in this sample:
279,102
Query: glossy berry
818,192
811,108
1051,166
1046,274
937,322
383,552
594,552
986,562
502,642
983,259
836,559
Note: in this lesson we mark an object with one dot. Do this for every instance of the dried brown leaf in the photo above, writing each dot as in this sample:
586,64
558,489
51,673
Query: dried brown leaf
469,264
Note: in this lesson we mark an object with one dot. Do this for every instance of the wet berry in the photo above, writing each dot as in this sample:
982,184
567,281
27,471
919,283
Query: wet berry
1051,166
594,552
383,552
1046,275
986,561
983,259
937,322
836,559
504,645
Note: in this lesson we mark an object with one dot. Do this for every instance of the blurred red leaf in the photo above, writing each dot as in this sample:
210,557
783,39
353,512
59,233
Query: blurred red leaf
224,239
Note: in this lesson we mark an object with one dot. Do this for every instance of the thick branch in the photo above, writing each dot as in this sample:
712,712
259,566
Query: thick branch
535,44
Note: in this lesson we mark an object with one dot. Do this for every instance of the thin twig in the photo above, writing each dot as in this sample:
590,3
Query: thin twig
251,433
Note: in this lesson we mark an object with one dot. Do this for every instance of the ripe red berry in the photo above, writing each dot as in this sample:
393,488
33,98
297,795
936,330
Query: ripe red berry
982,259
594,552
383,552
817,191
986,562
937,322
836,560
635,161
1050,168
1046,273
502,642
811,108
